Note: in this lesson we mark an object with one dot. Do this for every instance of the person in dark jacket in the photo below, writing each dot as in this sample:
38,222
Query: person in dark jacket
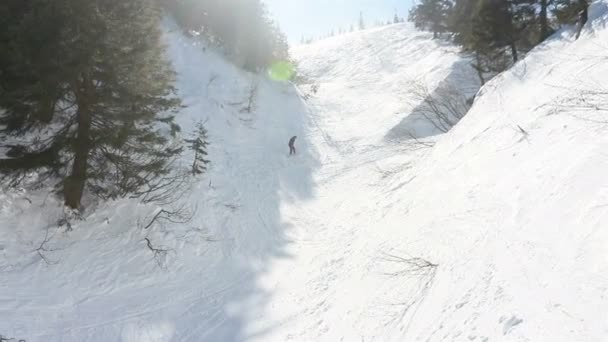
292,149
583,16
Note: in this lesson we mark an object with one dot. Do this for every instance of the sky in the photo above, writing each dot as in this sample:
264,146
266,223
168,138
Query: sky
314,18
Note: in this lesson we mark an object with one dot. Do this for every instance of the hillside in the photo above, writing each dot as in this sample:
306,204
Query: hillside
371,74
493,234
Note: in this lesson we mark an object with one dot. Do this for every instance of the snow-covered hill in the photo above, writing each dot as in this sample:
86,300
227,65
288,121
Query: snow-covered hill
494,234
512,204
371,74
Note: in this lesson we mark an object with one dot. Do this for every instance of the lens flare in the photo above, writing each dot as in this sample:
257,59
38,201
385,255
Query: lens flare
281,71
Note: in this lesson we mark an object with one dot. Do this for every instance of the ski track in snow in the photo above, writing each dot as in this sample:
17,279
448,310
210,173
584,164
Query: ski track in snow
319,247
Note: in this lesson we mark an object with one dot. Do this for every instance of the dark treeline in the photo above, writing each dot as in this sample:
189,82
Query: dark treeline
495,32
86,98
242,28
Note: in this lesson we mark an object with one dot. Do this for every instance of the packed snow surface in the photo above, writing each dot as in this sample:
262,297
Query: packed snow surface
496,233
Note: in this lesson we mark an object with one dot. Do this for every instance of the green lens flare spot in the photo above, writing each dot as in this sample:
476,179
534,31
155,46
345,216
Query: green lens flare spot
281,71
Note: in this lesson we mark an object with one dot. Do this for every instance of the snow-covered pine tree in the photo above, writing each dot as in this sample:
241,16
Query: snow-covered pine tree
87,96
242,28
198,144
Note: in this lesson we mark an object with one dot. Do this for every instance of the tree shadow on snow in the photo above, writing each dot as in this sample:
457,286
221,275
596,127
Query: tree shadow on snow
419,122
254,178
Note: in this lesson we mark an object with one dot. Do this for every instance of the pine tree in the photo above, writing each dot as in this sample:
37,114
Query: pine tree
396,19
505,23
529,20
361,21
488,27
472,29
91,110
198,144
243,29
259,41
21,63
431,15
567,11
460,21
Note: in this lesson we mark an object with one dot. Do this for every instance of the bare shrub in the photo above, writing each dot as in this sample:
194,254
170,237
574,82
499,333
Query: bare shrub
251,98
442,108
9,339
586,100
43,248
159,253
419,272
490,63
198,144
582,103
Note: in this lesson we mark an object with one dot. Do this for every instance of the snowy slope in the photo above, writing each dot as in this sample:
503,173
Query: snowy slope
102,283
511,205
495,234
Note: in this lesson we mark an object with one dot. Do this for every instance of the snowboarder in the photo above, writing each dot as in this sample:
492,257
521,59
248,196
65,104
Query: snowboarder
583,16
292,149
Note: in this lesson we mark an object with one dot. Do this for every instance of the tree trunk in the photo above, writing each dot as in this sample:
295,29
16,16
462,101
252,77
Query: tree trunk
73,187
436,28
512,36
544,26
514,52
479,68
46,110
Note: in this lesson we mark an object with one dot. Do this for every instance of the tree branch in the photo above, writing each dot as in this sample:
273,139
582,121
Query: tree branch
159,254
